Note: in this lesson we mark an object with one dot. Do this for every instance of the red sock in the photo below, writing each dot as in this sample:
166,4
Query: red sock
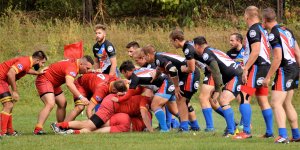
4,121
76,131
38,128
10,128
64,125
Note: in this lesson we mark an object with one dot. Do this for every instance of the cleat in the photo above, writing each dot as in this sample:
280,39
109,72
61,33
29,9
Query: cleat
227,134
180,130
283,140
39,132
267,136
55,128
209,130
242,136
194,129
70,131
295,140
15,133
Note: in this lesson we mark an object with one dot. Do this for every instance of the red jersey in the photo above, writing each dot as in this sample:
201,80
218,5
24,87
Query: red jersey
21,65
57,72
133,105
91,81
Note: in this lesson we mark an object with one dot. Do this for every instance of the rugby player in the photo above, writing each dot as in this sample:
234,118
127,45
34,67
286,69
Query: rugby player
48,87
11,71
285,66
186,84
131,47
256,65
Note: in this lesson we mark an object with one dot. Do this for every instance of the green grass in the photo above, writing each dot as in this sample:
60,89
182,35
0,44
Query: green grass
21,35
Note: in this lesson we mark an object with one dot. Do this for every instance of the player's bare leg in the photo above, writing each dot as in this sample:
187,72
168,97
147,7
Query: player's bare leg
183,113
61,103
74,113
156,106
267,114
207,104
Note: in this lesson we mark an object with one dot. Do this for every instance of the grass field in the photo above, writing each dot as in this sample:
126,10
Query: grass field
21,35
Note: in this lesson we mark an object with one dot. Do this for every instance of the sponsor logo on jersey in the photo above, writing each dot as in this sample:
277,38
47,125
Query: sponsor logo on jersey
20,66
98,98
157,62
238,88
73,74
252,33
101,76
97,49
205,79
171,88
196,85
205,56
180,83
260,81
186,51
110,49
289,83
271,37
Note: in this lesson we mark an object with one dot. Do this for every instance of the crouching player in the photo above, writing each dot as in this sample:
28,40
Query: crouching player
94,86
164,95
134,107
11,71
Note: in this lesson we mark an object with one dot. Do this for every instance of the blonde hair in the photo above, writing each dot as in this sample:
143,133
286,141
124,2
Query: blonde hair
252,12
148,49
100,26
137,53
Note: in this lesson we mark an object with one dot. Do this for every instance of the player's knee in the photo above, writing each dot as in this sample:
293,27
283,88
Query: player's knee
8,105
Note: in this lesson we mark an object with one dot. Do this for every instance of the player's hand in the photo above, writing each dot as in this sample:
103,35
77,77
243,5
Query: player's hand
183,68
85,101
44,70
244,76
15,95
215,96
178,92
121,93
153,75
115,99
266,82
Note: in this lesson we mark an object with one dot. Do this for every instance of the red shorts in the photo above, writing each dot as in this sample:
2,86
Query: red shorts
5,95
44,86
119,122
106,111
137,123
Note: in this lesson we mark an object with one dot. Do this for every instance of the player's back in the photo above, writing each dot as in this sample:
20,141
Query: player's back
176,60
57,72
90,81
5,66
133,105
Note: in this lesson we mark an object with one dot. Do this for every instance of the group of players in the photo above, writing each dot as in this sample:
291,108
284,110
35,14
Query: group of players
164,83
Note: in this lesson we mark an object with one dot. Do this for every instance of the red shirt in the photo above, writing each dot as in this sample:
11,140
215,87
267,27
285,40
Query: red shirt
57,72
133,105
21,65
91,81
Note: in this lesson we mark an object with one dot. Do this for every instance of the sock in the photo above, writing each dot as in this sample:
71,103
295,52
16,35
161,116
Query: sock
184,125
194,124
4,121
282,132
207,112
63,125
38,128
268,117
295,133
168,117
246,112
229,117
160,116
76,131
220,111
10,128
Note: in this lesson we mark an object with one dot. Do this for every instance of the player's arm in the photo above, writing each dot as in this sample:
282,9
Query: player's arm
216,74
97,64
277,57
71,86
146,118
130,93
11,75
90,108
113,67
297,53
253,55
173,72
190,66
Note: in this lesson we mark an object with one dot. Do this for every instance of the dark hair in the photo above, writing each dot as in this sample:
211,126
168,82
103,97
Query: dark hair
100,26
269,14
238,37
148,49
176,34
39,55
120,85
89,59
127,66
200,40
133,44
